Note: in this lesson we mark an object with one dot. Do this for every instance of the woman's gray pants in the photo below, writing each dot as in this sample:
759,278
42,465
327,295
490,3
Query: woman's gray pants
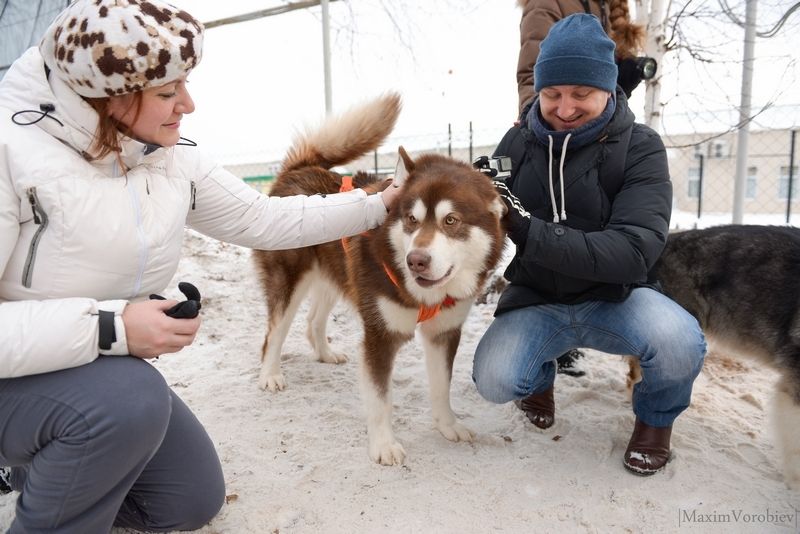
107,443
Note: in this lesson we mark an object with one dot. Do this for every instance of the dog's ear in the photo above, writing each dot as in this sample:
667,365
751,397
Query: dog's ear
405,165
498,208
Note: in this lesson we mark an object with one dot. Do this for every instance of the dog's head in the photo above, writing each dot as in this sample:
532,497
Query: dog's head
444,229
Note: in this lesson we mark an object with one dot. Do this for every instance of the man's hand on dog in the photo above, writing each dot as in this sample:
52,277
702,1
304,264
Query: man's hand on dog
517,220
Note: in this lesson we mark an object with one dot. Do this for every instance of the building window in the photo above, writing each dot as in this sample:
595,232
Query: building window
750,188
719,149
783,182
693,183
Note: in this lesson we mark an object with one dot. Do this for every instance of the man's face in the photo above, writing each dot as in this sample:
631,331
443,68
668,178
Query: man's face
566,107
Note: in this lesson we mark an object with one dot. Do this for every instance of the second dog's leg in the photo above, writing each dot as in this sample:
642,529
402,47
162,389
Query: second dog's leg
634,373
786,420
323,298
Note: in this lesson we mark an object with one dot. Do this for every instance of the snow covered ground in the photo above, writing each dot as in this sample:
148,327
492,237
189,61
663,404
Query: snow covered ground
296,461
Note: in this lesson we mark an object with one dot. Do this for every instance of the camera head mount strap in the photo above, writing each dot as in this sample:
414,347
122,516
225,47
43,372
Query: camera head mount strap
603,12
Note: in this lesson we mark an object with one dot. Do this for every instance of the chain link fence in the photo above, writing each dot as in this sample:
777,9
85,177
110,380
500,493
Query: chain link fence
464,144
702,168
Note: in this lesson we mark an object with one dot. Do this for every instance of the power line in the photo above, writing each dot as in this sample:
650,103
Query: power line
726,9
286,8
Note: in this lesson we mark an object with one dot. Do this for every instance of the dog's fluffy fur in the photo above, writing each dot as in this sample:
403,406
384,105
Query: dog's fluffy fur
440,240
742,283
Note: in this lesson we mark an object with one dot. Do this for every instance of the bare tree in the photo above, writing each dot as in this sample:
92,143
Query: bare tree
696,37
348,25
652,15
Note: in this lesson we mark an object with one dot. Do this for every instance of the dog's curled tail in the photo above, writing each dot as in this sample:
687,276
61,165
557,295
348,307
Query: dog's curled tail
345,137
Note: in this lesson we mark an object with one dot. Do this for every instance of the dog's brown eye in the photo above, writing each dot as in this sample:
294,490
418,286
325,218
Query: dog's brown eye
450,220
412,219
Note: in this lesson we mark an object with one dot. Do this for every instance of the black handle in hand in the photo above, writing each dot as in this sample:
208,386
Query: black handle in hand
189,308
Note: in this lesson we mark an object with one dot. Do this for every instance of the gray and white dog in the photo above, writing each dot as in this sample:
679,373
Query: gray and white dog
742,283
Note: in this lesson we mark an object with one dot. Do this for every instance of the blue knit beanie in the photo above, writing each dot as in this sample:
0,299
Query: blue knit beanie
576,51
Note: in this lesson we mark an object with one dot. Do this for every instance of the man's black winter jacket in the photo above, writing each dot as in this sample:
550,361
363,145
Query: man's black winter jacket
605,247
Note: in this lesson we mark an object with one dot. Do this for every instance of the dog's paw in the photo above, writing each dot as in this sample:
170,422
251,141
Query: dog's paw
332,357
389,453
456,432
272,382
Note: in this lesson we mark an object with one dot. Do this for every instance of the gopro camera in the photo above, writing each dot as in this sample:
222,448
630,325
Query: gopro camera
496,167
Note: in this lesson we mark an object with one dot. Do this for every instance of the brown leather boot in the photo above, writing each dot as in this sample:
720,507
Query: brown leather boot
540,408
648,450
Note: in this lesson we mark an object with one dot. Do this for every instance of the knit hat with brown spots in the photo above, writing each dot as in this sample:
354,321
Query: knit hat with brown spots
112,47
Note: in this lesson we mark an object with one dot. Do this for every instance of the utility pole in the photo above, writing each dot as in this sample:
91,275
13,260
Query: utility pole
743,134
291,6
326,55
285,8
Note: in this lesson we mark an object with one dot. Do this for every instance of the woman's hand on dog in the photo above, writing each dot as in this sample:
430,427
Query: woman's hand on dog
150,332
389,193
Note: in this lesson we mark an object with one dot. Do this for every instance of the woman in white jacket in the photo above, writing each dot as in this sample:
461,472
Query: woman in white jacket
95,192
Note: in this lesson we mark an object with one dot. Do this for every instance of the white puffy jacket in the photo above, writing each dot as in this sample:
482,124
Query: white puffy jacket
77,237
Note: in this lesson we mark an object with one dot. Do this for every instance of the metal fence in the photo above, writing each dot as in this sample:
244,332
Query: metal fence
464,144
702,168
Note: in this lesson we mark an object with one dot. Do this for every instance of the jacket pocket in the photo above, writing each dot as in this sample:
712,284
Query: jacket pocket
40,219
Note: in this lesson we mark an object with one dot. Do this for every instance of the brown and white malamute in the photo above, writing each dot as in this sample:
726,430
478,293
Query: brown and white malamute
421,269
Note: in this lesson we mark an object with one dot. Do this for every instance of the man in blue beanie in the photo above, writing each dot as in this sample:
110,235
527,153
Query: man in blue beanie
589,201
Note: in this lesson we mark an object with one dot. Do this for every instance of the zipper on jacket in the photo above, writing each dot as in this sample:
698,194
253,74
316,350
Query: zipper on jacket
39,218
194,193
141,238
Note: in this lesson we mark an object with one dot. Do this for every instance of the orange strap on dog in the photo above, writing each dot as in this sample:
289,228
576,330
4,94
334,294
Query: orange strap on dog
425,312
347,184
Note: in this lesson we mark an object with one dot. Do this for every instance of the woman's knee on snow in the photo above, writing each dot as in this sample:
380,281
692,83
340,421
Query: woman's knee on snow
198,508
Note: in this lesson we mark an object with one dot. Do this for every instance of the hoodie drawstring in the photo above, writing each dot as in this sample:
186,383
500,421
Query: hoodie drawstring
43,111
561,177
563,214
550,177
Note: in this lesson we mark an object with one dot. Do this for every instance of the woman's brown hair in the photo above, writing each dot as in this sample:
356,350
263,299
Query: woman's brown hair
628,37
109,130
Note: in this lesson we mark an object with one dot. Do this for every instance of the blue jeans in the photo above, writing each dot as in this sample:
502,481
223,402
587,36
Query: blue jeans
515,357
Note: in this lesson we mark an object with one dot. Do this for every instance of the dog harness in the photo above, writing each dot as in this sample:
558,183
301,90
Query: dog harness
425,312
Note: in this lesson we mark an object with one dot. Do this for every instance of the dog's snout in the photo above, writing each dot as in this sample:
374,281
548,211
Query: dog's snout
418,260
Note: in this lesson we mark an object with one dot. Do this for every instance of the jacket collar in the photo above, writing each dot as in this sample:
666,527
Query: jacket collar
621,119
26,87
581,136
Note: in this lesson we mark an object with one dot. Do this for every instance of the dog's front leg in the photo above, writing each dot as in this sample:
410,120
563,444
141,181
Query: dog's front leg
380,348
440,351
